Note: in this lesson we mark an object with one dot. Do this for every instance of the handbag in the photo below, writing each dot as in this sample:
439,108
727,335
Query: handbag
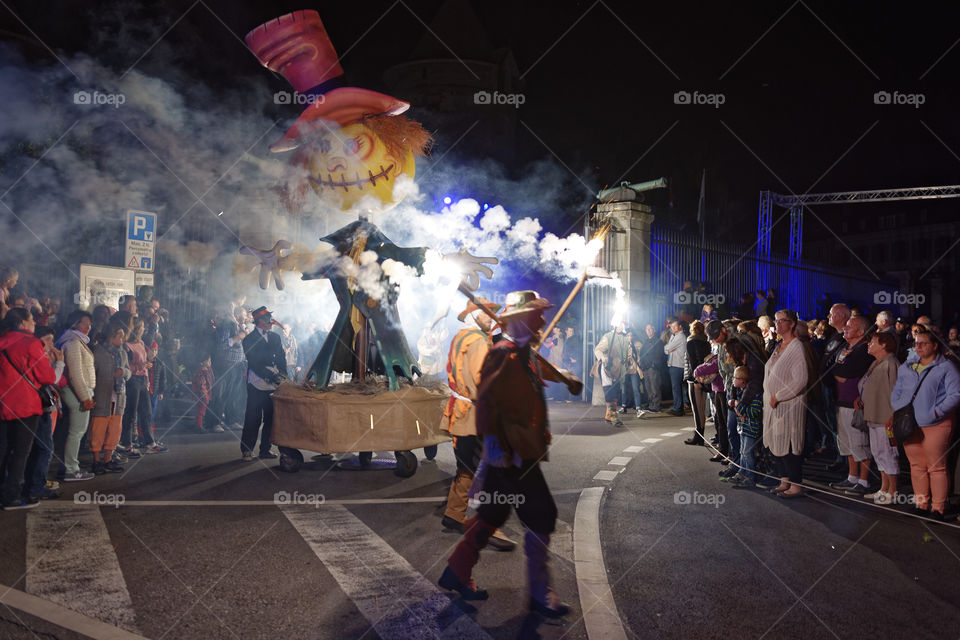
857,421
904,419
48,398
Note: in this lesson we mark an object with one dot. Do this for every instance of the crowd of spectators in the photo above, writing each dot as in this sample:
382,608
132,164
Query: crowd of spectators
81,395
780,390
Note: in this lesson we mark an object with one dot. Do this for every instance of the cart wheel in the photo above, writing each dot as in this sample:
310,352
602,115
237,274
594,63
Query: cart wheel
290,460
430,452
406,464
365,458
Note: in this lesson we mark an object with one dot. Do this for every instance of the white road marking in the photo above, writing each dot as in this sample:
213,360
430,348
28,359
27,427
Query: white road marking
670,434
651,440
78,570
637,448
688,429
396,600
63,617
261,503
600,615
605,476
621,461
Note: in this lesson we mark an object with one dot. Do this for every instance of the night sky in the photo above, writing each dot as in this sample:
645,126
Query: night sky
798,83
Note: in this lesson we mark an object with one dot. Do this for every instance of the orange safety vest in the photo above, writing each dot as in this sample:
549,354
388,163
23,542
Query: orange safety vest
458,408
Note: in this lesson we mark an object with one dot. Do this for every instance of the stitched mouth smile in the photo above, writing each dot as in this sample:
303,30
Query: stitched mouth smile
358,182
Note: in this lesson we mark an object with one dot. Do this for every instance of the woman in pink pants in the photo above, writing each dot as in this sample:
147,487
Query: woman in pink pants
936,383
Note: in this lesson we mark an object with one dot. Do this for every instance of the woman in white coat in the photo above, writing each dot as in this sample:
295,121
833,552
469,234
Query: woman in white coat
785,405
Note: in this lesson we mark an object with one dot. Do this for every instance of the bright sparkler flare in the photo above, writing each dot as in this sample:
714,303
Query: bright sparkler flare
619,303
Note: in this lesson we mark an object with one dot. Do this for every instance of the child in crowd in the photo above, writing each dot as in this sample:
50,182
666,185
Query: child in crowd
203,390
110,395
749,426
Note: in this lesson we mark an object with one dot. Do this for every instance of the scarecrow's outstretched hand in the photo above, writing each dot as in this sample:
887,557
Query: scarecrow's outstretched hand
271,262
471,267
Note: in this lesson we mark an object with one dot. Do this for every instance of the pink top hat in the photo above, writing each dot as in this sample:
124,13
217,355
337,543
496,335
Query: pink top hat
296,45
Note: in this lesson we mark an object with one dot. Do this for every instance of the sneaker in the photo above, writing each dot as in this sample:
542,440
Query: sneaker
873,495
118,457
856,490
844,485
156,447
78,476
113,467
882,497
247,456
21,504
267,455
622,410
694,441
217,429
640,413
618,422
131,452
97,469
729,472
53,485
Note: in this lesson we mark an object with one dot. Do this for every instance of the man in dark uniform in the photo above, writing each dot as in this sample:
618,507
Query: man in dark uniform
266,366
512,419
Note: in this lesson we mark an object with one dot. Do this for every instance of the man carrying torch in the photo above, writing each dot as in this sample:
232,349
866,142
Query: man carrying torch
512,419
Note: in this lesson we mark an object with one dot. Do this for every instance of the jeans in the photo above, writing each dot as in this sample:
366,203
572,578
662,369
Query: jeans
676,384
748,445
828,417
630,381
79,421
138,409
651,385
733,436
38,462
16,438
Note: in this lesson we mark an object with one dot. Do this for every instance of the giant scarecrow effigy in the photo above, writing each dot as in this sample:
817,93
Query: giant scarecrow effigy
350,146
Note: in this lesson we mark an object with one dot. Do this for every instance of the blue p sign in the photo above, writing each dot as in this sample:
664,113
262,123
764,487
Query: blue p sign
140,226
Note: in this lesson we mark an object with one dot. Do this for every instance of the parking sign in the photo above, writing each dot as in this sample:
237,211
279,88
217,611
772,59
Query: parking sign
140,240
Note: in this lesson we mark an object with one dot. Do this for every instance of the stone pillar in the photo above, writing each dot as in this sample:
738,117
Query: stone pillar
627,252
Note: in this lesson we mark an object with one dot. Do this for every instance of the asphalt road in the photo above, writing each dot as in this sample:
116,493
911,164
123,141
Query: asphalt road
205,546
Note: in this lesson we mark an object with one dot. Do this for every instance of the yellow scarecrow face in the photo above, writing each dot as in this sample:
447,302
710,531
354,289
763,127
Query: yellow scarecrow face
352,162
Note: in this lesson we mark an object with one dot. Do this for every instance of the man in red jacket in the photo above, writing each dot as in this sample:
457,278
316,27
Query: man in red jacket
24,368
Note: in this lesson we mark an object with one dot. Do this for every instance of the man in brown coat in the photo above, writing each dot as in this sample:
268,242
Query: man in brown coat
512,419
467,352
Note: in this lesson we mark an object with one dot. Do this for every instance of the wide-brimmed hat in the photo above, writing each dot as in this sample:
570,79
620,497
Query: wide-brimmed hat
471,307
297,46
520,303
261,312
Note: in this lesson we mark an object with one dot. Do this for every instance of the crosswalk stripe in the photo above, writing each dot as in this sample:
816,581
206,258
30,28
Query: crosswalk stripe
620,461
388,591
71,561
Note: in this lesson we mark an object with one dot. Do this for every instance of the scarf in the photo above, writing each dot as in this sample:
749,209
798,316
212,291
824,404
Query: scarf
72,334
